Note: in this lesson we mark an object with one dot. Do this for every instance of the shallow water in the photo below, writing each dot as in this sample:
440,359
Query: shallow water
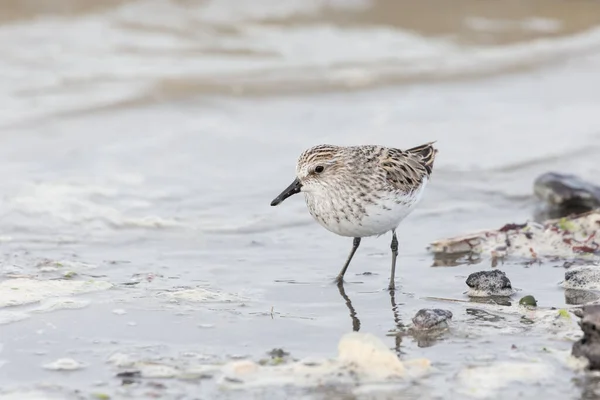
142,142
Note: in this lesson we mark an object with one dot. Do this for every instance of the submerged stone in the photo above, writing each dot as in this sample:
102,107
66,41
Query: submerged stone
427,318
580,297
565,194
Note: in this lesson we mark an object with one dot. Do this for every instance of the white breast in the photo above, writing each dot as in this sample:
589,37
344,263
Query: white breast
378,218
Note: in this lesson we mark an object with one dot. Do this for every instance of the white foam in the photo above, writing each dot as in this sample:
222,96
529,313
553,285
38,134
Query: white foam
20,291
202,295
7,317
64,364
28,395
77,203
484,381
60,303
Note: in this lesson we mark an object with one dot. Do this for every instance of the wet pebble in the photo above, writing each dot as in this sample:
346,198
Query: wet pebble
489,283
585,277
579,297
129,374
528,301
431,318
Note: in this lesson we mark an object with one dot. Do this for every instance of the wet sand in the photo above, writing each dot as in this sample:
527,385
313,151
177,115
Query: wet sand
142,143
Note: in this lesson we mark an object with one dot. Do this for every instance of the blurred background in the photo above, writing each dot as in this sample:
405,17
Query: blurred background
119,110
142,141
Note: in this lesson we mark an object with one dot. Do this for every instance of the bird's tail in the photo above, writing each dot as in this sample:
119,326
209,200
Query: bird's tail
427,153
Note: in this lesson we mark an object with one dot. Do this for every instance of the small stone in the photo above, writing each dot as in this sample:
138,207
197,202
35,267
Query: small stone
280,353
128,374
431,318
119,311
528,301
580,297
489,283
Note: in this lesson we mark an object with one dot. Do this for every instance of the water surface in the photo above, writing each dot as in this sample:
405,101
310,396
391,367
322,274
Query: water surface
142,142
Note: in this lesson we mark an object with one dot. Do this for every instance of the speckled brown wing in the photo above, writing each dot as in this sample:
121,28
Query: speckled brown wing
405,169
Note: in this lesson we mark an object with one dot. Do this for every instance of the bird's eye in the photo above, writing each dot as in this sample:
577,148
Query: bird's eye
319,169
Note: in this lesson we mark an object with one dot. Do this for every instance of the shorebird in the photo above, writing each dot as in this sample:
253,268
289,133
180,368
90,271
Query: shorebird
361,191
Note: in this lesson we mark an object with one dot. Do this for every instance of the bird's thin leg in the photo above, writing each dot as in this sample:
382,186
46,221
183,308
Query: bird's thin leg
355,245
394,247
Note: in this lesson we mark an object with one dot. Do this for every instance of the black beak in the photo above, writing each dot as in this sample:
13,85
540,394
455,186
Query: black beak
289,191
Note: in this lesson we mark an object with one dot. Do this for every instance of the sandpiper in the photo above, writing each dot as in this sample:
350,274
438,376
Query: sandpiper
361,191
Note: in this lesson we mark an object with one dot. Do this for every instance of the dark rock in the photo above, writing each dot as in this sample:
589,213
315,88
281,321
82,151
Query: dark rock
580,297
431,318
585,277
589,345
566,191
489,283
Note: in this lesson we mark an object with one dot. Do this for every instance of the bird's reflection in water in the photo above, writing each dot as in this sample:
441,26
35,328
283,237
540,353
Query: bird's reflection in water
397,323
355,320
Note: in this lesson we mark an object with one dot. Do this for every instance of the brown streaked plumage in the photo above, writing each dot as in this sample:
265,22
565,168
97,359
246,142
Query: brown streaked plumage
360,191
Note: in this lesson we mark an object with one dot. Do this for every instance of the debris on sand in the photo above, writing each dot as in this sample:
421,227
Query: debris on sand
362,358
489,283
575,237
